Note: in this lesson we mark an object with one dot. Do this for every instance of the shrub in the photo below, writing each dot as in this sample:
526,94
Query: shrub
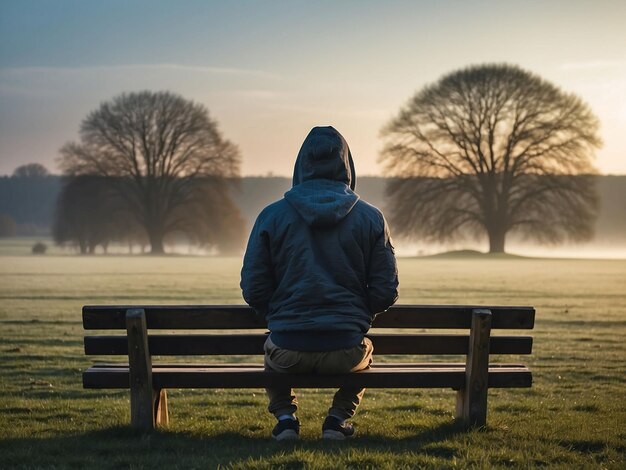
39,248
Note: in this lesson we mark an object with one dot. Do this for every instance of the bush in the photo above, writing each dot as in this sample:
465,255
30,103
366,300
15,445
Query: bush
40,248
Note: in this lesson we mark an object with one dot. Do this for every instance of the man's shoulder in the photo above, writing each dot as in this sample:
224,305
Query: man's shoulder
368,215
368,209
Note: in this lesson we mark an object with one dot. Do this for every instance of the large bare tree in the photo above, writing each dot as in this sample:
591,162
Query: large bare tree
492,149
154,147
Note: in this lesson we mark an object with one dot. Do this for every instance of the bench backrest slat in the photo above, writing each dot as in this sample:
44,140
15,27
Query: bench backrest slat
252,344
195,317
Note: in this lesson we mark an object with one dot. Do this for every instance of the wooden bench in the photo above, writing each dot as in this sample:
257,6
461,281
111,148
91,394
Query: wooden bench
148,382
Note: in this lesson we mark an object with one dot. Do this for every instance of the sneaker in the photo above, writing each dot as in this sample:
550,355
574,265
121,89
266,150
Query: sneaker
286,429
333,428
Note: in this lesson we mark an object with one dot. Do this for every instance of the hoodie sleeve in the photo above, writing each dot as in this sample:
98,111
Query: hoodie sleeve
383,274
257,277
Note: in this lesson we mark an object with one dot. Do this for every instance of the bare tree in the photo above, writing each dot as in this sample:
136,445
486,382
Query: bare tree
153,146
492,149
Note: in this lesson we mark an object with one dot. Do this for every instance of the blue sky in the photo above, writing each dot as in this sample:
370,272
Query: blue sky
268,71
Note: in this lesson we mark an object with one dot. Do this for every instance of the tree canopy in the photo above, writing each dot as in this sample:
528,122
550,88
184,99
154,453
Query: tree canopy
492,149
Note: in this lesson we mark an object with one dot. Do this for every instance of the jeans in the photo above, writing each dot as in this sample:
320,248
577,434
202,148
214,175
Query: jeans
346,400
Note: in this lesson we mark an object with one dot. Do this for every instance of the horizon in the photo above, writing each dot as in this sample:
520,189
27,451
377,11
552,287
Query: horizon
267,72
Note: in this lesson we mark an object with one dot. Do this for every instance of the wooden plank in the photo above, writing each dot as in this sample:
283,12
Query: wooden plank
252,365
474,395
453,317
256,377
193,317
142,413
252,344
178,317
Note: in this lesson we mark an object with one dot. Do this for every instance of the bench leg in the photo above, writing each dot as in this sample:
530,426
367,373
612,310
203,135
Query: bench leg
142,409
471,402
161,414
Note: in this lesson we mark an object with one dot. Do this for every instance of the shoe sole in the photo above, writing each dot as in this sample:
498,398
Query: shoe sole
287,435
334,435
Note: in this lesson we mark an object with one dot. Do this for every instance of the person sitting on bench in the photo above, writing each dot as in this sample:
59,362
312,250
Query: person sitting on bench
319,266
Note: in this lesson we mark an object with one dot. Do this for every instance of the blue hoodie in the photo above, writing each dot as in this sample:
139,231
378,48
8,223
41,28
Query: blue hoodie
319,263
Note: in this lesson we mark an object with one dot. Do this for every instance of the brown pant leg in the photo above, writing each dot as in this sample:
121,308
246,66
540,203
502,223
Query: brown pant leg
347,399
282,400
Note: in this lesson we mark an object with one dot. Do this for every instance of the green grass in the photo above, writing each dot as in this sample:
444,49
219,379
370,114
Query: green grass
573,417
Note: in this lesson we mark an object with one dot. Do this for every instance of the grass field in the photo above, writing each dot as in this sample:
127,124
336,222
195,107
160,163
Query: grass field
573,417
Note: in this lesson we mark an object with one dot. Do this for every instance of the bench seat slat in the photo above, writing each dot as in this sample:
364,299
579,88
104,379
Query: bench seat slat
198,317
251,344
255,377
244,365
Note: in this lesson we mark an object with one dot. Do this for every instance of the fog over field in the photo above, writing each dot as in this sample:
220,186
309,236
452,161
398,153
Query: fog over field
609,240
33,205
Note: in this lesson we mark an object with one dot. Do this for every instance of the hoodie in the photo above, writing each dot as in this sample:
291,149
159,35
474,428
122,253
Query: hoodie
319,265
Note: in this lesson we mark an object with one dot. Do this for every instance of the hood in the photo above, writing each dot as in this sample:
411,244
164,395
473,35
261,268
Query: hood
324,154
323,179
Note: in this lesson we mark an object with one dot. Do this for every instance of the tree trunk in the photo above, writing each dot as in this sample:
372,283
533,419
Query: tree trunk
496,240
156,242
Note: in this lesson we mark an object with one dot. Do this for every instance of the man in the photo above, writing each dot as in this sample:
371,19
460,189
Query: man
319,267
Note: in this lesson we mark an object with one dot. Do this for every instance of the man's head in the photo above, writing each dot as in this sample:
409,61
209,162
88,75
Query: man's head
324,155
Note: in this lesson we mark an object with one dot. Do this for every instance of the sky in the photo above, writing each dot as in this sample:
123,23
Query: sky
268,71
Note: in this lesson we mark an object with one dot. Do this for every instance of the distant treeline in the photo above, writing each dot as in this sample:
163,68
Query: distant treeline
31,202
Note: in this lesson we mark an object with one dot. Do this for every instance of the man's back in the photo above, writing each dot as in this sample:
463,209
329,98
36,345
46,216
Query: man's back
320,261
